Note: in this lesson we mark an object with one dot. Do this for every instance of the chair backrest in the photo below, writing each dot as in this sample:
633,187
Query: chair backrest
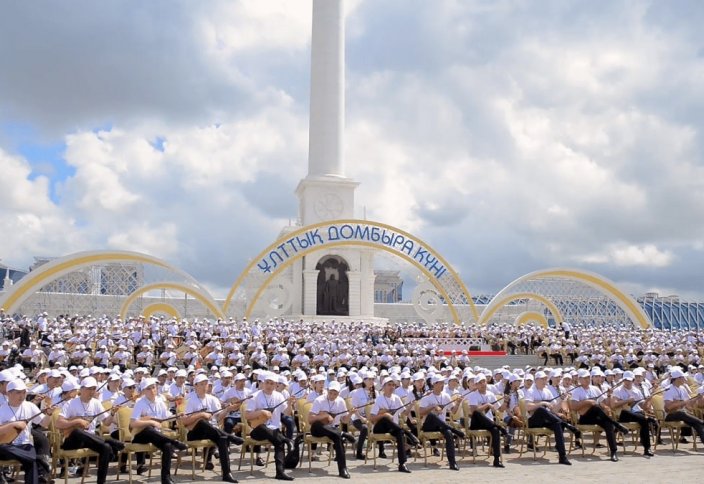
523,406
303,414
658,403
246,429
124,415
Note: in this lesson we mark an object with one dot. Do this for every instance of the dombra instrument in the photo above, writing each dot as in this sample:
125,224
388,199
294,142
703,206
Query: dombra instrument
10,435
90,418
266,413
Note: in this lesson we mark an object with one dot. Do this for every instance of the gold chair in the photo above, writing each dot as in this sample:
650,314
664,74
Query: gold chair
535,432
474,437
308,439
595,430
674,426
374,439
634,430
249,442
205,445
426,437
125,434
58,454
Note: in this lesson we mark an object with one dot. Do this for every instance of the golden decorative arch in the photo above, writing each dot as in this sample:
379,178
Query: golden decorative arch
156,308
55,269
531,316
204,298
361,234
629,305
499,302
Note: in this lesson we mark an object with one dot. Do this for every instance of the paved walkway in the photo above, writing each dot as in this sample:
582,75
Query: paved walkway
683,466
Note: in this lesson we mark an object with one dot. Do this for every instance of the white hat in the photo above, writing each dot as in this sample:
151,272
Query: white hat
628,375
540,374
147,382
69,385
182,373
334,386
128,382
356,379
583,373
480,377
513,377
16,385
386,380
437,379
89,382
676,373
200,378
240,376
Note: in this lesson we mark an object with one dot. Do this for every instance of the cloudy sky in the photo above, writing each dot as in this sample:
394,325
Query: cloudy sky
510,135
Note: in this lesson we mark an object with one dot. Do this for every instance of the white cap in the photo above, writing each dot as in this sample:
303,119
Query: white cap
147,382
334,386
89,382
583,373
540,374
128,382
69,385
676,373
200,378
437,379
480,377
628,375
16,385
182,373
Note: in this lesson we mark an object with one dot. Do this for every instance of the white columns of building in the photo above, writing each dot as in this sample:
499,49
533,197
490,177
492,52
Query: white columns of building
327,90
353,297
310,295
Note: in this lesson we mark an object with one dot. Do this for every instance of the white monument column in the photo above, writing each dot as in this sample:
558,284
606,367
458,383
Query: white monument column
327,89
353,297
310,296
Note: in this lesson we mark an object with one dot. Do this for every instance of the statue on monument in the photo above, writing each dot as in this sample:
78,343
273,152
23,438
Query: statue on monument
333,288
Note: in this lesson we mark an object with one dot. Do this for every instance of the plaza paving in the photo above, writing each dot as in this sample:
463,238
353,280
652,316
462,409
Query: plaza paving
682,466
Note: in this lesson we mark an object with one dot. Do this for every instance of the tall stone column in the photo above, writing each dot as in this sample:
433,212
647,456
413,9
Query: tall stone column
327,89
310,292
354,296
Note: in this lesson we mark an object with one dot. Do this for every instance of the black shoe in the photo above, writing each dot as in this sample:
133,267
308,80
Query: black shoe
117,446
565,461
359,456
507,449
228,478
454,467
209,466
503,431
123,469
497,463
344,473
575,431
459,433
289,444
283,477
683,440
614,457
179,445
578,445
660,442
259,462
382,455
530,446
349,438
648,453
234,439
167,480
436,452
141,469
403,468
622,429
